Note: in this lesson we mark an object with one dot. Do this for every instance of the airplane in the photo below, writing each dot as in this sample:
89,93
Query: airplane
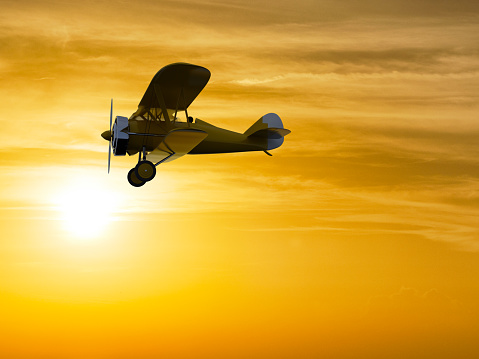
156,131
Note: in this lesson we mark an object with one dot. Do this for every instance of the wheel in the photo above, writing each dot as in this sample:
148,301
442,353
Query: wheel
134,181
145,171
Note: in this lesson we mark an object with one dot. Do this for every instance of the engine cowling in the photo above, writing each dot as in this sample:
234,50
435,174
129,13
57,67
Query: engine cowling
119,138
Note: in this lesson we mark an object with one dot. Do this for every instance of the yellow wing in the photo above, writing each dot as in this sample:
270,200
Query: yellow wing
174,88
177,143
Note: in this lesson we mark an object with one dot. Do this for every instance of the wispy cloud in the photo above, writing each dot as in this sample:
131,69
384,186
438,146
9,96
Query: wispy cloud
380,112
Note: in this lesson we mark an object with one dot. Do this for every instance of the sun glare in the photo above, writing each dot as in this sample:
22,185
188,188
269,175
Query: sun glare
86,210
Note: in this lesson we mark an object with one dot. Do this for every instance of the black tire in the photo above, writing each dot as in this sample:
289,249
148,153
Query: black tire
145,171
134,180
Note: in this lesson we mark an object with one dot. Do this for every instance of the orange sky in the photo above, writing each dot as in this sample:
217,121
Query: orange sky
359,238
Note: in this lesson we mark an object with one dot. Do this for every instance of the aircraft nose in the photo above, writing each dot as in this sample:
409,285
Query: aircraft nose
106,135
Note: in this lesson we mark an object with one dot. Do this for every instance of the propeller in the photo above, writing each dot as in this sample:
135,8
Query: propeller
109,142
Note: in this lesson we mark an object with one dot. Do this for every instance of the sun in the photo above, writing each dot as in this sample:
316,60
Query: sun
86,209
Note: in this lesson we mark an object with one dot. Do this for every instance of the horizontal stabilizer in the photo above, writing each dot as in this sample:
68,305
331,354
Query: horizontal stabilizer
271,133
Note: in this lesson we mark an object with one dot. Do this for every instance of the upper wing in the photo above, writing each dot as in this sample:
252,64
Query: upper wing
177,143
174,87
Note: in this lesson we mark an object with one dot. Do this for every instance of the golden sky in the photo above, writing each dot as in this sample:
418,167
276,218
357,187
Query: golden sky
359,238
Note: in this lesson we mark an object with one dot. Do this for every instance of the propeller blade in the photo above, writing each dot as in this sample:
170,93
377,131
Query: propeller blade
111,113
109,142
109,156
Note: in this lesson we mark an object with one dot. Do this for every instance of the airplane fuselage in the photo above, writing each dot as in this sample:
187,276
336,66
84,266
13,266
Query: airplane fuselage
219,140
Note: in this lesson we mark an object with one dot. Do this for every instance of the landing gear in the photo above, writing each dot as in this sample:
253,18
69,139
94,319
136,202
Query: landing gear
145,171
134,180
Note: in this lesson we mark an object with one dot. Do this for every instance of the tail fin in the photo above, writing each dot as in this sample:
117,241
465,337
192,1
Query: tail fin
269,127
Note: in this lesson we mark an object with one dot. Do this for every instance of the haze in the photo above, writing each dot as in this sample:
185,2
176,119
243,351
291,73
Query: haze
358,238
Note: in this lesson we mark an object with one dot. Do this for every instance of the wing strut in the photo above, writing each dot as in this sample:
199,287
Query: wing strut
177,104
161,102
186,110
182,94
164,159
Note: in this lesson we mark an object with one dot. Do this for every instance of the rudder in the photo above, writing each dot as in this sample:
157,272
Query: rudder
271,127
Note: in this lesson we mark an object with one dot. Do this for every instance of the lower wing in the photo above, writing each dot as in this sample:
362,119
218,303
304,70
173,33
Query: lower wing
177,143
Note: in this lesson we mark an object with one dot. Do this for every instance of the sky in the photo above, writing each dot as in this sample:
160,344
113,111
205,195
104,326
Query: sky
359,238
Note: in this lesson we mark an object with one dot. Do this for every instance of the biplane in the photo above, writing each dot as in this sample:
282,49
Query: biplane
155,131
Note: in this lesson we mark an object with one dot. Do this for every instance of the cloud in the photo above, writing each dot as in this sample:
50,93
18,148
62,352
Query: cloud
382,104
